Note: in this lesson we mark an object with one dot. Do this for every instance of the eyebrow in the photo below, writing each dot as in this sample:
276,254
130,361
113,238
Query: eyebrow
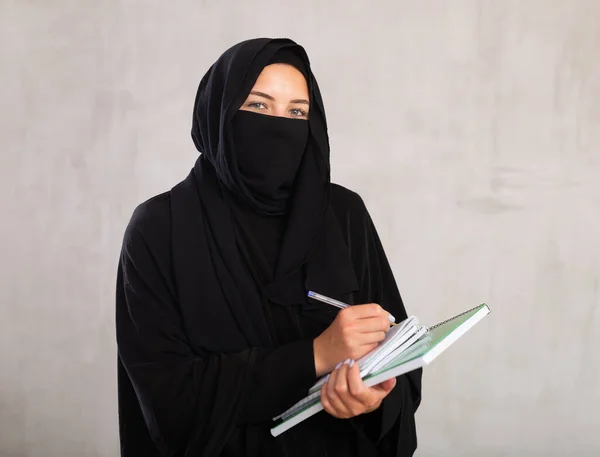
269,97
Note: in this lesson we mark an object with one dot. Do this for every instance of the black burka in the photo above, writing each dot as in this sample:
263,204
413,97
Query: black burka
213,328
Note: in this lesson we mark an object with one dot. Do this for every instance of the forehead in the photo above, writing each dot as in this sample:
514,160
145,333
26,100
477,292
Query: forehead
281,76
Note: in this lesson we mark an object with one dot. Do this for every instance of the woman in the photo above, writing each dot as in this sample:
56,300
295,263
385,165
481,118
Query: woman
214,330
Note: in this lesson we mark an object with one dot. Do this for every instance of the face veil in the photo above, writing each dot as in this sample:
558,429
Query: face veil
266,187
268,152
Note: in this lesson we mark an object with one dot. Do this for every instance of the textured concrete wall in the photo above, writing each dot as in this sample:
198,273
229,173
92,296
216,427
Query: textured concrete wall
470,128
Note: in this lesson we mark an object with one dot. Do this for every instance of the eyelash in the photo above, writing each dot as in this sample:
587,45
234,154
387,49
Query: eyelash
257,105
253,105
301,111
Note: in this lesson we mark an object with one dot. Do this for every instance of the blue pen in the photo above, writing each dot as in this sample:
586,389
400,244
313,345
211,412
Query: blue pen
338,304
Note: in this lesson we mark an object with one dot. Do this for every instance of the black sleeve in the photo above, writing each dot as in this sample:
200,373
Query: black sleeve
289,368
395,417
187,397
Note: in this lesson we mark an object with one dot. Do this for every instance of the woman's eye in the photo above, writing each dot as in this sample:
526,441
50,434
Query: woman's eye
298,112
256,105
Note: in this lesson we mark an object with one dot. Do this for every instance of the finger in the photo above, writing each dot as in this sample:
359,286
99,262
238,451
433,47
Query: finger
370,338
360,350
340,388
378,393
372,324
330,392
365,311
356,385
325,401
339,396
373,310
352,406
368,398
386,386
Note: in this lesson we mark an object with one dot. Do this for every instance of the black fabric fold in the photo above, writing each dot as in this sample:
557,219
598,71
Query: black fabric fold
186,372
199,212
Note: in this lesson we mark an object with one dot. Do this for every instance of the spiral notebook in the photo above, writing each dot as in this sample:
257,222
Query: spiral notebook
407,347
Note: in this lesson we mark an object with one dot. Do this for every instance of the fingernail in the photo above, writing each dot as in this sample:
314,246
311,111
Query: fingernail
351,363
391,318
346,362
327,377
339,365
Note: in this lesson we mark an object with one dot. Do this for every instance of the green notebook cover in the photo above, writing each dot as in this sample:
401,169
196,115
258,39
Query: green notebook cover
434,337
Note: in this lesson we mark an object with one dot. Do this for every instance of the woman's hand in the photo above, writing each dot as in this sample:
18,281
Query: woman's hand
345,395
355,331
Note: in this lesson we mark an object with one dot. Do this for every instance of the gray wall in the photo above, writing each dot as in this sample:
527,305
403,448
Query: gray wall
470,128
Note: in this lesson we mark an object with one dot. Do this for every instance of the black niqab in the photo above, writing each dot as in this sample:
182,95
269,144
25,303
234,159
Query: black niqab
269,151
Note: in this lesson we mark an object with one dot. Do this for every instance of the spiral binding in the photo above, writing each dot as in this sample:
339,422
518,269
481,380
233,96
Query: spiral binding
454,317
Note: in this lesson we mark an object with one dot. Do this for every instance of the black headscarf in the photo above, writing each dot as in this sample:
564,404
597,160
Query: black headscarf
220,95
312,244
